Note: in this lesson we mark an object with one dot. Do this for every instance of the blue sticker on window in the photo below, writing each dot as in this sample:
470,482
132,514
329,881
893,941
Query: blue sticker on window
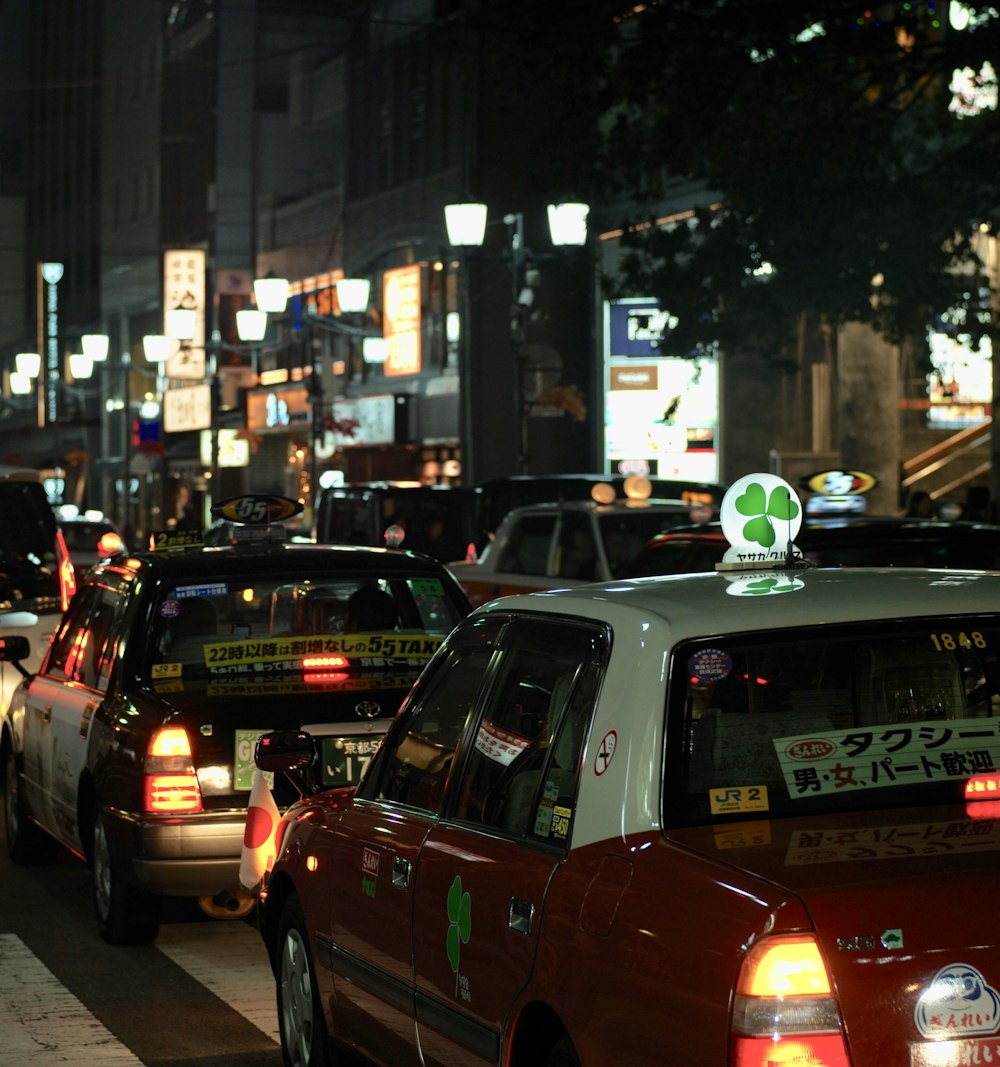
710,665
211,589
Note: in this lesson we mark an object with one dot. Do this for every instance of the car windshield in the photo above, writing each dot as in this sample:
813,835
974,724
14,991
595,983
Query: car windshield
272,625
783,723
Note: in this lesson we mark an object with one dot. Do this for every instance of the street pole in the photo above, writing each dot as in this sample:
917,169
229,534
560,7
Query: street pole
515,222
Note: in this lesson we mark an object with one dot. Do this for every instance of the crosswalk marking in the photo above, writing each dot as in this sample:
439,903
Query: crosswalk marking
229,959
43,1023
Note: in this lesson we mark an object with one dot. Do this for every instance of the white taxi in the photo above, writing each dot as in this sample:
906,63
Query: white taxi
736,819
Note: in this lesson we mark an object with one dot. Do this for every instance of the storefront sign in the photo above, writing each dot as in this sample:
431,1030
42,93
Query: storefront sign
233,451
401,305
187,408
184,287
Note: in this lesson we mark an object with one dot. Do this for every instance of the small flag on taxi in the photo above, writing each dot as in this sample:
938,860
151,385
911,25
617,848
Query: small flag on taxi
260,834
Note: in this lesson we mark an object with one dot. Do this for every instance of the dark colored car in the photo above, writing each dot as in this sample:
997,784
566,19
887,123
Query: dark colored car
842,541
89,540
37,579
133,744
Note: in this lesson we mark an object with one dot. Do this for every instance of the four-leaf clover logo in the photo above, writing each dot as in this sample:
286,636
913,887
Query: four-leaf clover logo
761,509
460,918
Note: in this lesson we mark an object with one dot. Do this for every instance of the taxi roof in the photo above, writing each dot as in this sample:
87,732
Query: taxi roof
303,558
739,601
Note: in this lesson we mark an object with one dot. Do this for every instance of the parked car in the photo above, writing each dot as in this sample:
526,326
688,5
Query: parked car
37,579
552,545
852,541
132,745
89,539
715,819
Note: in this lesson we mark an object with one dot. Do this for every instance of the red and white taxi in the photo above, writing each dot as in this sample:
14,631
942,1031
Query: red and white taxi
737,819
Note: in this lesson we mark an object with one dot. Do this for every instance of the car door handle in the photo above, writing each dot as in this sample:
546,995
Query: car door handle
400,872
522,915
47,714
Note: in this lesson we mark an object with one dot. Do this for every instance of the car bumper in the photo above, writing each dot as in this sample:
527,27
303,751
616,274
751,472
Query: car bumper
187,855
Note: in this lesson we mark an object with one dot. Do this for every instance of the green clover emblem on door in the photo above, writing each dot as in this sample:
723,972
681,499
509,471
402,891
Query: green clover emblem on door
760,508
460,918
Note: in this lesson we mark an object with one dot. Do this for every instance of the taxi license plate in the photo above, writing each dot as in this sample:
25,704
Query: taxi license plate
344,759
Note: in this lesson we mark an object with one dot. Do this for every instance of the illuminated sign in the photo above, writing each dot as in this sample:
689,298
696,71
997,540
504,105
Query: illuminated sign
661,412
184,287
272,410
187,408
49,276
233,451
401,308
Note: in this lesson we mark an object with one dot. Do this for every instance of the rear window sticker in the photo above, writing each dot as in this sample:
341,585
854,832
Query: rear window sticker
426,586
500,745
710,665
170,609
166,670
847,761
207,589
738,798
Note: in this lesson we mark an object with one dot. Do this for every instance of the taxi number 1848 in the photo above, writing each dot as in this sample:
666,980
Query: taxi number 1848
949,642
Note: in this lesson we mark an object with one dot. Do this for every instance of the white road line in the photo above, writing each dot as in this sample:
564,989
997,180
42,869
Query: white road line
41,1022
229,959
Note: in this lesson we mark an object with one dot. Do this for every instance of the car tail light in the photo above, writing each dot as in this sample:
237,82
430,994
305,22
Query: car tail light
67,575
171,784
109,543
784,1010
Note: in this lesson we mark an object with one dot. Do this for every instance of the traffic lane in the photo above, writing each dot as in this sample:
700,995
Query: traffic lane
147,1001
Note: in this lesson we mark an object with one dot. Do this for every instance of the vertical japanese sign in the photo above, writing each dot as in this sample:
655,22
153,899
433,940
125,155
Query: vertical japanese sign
184,288
401,304
49,276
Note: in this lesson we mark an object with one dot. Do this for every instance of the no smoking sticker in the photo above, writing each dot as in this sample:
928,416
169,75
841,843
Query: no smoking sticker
605,752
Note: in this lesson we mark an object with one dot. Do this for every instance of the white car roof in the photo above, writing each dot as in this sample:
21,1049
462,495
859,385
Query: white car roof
738,601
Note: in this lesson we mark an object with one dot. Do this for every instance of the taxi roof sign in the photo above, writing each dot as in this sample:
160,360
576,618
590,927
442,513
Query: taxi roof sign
761,516
257,509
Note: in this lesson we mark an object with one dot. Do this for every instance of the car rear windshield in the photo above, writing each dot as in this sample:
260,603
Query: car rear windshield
266,626
783,723
29,569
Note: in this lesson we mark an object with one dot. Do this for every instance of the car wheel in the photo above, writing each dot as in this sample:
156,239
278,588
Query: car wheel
126,914
563,1054
304,1041
26,842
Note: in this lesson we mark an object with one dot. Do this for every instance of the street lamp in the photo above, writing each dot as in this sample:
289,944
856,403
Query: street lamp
466,225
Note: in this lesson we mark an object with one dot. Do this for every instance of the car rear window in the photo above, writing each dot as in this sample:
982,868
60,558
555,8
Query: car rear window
28,562
259,627
783,723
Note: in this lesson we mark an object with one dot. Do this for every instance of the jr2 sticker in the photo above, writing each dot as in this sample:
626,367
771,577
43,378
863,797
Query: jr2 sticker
739,798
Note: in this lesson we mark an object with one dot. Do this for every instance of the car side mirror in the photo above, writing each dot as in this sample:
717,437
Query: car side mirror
13,649
284,750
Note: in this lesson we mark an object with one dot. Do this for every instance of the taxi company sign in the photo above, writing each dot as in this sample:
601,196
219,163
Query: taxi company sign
187,408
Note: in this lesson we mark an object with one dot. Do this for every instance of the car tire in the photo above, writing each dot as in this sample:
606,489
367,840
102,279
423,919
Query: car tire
563,1054
26,842
304,1038
126,914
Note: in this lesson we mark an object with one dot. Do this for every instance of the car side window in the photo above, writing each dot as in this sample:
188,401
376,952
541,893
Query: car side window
526,551
577,552
71,638
523,767
417,758
104,625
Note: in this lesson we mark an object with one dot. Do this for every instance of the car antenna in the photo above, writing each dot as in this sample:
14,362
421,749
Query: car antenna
789,550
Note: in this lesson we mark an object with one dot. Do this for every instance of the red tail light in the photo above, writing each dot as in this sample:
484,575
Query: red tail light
67,575
171,785
784,1010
